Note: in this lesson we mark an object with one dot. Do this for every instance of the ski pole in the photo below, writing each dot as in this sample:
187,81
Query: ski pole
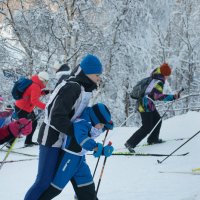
99,157
12,145
9,141
178,148
102,169
164,113
126,119
104,140
7,154
160,119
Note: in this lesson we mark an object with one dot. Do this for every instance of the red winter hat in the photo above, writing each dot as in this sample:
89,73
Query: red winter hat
165,69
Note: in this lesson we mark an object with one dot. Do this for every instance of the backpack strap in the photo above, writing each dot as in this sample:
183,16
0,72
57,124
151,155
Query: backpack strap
54,96
151,86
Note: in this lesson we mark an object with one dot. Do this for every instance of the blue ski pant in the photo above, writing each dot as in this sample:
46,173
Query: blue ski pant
75,169
72,166
48,159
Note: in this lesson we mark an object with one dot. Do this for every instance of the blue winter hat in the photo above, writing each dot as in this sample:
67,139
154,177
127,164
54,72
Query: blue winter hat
91,65
99,113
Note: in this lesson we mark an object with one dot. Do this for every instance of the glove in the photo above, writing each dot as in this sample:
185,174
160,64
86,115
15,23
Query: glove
99,151
22,126
109,125
177,96
47,91
106,151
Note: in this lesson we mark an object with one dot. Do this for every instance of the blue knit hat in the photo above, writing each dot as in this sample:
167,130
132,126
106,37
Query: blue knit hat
99,113
91,65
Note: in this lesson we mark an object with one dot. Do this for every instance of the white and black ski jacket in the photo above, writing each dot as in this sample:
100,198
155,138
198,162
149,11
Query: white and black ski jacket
66,103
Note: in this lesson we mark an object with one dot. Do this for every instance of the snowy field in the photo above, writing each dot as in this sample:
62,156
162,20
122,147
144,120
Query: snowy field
125,177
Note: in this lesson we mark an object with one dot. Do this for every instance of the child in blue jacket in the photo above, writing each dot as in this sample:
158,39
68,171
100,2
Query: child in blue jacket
72,166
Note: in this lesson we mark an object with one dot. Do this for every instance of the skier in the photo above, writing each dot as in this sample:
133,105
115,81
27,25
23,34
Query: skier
66,103
62,72
93,121
24,107
147,109
15,129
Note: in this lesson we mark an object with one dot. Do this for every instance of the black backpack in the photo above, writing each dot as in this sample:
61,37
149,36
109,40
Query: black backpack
20,86
139,89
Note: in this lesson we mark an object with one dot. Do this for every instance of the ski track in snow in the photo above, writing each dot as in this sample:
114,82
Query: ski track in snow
125,177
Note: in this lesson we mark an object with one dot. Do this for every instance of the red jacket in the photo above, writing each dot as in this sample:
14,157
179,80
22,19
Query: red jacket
31,96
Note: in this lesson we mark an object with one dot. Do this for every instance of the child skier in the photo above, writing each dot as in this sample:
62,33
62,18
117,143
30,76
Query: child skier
14,129
73,167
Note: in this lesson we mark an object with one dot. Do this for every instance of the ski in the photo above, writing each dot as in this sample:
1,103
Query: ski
12,161
168,140
180,172
20,153
144,154
146,144
23,147
196,170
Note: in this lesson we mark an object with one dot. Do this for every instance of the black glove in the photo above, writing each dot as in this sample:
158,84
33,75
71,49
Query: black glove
47,91
178,94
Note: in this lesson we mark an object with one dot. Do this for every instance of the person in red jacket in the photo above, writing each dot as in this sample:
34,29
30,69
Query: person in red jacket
15,129
31,98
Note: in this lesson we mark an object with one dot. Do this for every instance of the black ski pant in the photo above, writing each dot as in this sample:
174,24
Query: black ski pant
86,192
149,120
23,114
83,193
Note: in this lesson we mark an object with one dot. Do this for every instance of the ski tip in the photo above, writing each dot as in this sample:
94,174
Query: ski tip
196,170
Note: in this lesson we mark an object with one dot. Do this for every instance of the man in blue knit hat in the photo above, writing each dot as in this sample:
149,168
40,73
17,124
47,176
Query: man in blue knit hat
91,67
67,102
73,167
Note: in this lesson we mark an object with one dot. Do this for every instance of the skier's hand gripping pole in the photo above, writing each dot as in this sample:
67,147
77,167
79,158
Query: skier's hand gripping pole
102,169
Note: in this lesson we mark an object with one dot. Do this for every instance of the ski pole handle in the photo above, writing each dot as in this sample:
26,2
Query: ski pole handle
109,143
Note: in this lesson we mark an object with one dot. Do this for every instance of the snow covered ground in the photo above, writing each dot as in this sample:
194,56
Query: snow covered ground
126,177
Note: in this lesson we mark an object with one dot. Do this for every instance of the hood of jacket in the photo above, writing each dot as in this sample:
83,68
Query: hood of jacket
36,80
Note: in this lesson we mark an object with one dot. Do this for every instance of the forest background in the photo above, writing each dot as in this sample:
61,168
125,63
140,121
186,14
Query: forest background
131,38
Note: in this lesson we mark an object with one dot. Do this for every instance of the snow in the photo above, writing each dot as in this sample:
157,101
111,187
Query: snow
125,177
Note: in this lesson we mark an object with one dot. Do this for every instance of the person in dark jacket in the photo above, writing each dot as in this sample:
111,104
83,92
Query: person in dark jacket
15,129
66,103
146,107
24,107
92,123
62,72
